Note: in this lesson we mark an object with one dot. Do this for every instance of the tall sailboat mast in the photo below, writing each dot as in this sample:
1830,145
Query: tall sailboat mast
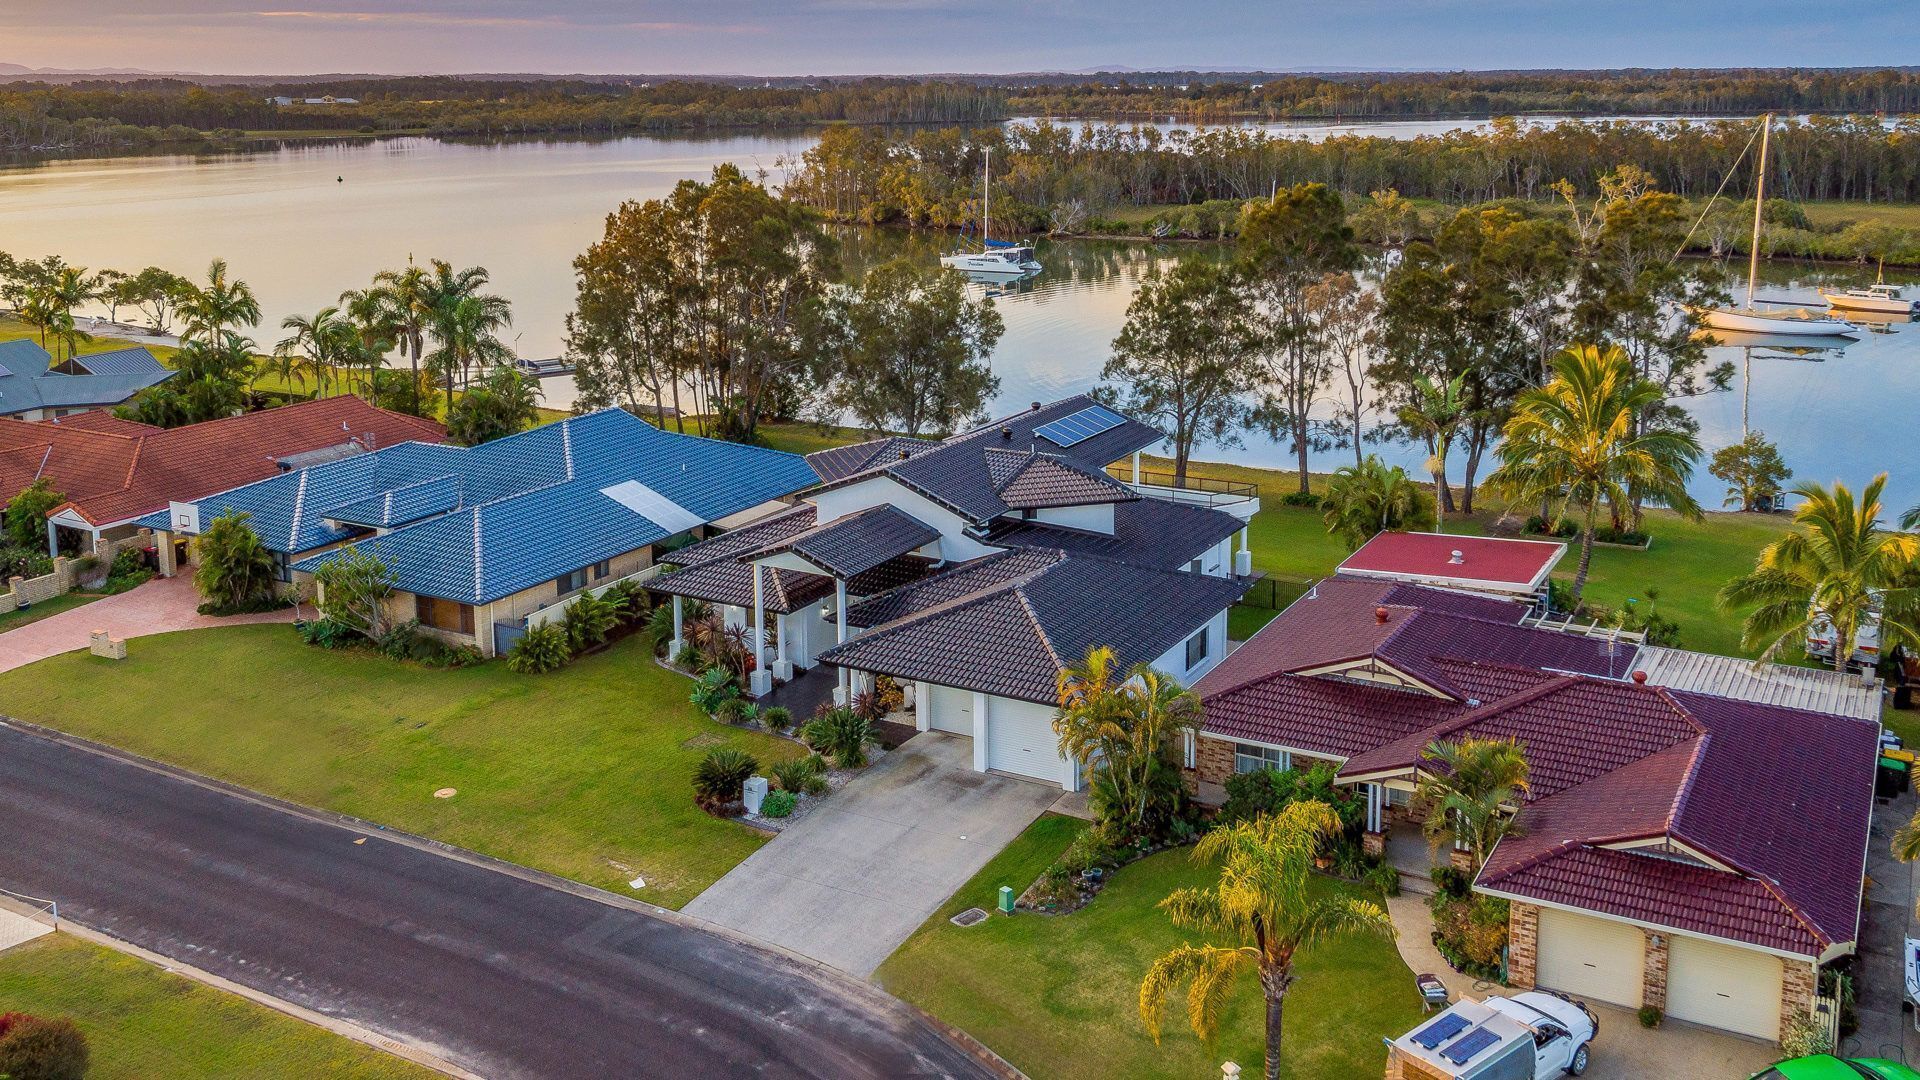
1759,207
986,202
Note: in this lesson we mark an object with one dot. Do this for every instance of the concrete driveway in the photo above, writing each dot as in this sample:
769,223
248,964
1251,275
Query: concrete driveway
161,606
853,879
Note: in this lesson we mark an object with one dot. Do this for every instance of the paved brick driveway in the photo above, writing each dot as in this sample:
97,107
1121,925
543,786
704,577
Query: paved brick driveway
158,607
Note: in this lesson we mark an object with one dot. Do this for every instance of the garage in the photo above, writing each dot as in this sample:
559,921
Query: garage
952,710
1724,986
1020,740
1590,958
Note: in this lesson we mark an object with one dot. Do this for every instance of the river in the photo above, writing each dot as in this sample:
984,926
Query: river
303,221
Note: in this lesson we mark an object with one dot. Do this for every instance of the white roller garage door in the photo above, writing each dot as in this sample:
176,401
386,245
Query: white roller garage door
1724,986
952,710
1020,740
1590,958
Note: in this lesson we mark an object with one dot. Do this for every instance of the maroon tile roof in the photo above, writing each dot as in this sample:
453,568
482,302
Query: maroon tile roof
1322,716
110,473
1496,561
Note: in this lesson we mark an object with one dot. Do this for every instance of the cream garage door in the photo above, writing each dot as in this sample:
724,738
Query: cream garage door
1020,740
1723,986
1590,958
952,710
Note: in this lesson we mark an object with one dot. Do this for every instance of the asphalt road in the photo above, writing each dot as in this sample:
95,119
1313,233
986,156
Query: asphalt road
503,976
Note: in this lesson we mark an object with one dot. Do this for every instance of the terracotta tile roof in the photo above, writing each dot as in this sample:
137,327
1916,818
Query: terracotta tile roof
104,420
111,474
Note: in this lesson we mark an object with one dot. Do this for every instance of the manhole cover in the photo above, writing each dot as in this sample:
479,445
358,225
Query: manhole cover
969,917
446,793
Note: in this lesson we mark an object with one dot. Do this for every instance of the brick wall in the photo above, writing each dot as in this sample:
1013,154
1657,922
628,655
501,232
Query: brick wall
1213,759
1523,944
1797,982
1653,970
38,589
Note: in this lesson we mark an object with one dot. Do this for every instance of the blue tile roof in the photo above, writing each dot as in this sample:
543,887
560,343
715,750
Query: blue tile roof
133,360
478,524
26,383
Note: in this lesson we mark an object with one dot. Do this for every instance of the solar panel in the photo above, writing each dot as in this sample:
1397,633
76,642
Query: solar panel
1080,426
1440,1030
1467,1045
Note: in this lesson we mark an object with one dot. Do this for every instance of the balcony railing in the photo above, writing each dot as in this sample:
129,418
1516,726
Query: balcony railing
1201,490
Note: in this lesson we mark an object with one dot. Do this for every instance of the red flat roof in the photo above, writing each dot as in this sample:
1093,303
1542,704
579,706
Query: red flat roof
1520,565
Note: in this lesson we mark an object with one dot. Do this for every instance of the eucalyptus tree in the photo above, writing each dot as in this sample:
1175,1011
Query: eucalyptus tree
912,350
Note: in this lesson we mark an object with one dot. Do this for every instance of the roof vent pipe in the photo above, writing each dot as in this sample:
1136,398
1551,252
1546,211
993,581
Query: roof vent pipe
1456,557
904,455
1640,677
1380,615
1006,434
1036,406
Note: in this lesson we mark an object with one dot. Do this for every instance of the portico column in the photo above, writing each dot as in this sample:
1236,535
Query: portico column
979,732
1243,561
53,540
679,628
762,680
840,694
163,551
1136,466
922,706
781,665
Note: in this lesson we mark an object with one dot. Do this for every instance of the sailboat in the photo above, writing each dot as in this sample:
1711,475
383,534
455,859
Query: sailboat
999,259
1798,322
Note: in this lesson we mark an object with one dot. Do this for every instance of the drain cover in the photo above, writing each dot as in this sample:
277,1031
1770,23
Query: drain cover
445,793
969,917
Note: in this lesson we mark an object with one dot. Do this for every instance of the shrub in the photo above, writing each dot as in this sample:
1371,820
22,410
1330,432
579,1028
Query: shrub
1300,498
778,804
1650,1016
1453,882
41,1048
26,512
407,642
327,634
799,774
719,776
889,694
236,570
540,650
588,621
841,734
868,706
1088,850
659,629
776,718
715,685
1384,878
1269,791
1472,931
24,562
631,603
734,710
687,659
354,587
1800,1036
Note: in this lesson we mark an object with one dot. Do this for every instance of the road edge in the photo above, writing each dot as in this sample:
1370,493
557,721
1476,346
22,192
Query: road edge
960,1040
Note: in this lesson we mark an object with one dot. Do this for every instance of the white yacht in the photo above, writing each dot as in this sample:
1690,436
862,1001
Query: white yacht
996,259
1878,298
1795,322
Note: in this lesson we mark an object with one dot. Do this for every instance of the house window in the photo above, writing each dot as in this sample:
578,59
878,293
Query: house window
1197,649
443,614
570,582
601,569
1193,567
1249,758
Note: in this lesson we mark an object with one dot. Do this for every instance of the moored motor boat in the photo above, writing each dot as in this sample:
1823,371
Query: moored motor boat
1878,298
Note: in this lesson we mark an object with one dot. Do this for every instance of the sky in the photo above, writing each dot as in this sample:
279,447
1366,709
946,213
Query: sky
799,37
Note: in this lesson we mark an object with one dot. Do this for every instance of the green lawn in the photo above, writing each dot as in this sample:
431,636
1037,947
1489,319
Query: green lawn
19,617
143,1023
585,772
1056,995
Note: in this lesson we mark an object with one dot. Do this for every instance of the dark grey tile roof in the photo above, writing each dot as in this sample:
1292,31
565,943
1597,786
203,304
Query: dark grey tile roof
724,581
964,579
1011,638
1034,480
1146,532
842,461
857,542
750,537
1095,452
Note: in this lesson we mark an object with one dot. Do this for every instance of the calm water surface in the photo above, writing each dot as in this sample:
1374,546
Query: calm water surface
303,222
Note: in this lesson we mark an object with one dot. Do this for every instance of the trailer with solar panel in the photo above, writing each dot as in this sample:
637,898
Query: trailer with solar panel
1530,1036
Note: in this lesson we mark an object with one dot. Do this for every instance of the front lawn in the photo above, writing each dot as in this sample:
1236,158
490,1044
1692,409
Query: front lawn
143,1023
18,617
1056,995
585,772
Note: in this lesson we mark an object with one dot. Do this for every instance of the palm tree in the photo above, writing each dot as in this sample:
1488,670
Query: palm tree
211,310
318,337
1264,907
1127,722
236,569
1837,566
1436,413
465,322
410,292
375,319
1370,498
1576,438
1466,787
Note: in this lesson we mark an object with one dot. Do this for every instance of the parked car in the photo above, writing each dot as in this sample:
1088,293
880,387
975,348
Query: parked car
1828,1067
1866,640
1530,1036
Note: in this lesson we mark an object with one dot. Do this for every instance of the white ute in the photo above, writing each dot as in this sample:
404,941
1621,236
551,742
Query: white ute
1530,1036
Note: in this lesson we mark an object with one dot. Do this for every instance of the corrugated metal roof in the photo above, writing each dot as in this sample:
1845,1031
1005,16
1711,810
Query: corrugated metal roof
1815,689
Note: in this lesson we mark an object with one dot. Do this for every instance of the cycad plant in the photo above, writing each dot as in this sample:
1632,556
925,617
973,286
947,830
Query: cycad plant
1259,916
1838,566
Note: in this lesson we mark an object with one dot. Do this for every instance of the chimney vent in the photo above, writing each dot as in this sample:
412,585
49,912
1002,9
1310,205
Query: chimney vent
1456,557
1640,677
904,455
1006,434
1036,406
1380,615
